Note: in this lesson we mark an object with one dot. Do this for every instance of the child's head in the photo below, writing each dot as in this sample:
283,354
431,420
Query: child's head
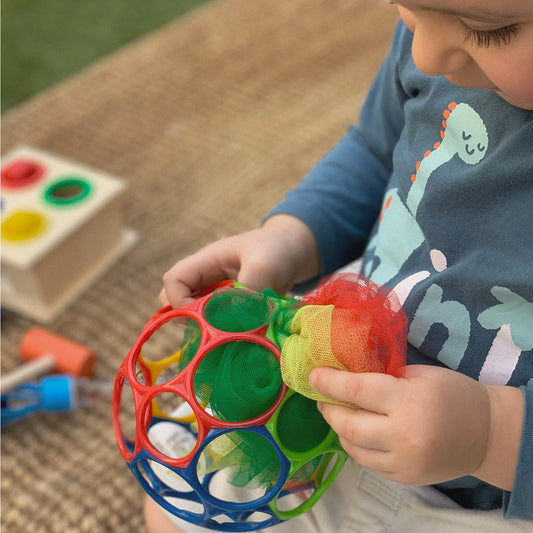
475,43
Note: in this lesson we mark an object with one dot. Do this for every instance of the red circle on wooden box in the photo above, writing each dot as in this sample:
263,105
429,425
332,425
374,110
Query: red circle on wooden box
21,173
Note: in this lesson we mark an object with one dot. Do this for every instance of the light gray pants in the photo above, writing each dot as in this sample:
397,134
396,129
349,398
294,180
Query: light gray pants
361,502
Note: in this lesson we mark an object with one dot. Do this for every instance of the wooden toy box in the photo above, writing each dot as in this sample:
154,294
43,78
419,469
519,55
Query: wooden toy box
61,228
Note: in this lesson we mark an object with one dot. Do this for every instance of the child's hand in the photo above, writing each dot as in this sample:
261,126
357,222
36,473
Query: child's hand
282,252
433,425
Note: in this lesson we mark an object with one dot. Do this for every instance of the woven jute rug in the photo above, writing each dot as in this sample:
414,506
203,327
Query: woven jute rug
209,121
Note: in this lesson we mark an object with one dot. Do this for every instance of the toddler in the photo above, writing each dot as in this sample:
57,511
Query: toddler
434,189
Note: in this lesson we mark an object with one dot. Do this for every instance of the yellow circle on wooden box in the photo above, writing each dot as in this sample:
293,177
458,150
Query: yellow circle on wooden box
23,225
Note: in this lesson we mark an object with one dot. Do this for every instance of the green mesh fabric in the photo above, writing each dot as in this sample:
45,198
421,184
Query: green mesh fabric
281,322
237,310
238,381
300,425
255,460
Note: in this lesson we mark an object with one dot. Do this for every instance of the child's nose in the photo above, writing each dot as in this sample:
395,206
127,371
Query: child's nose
437,52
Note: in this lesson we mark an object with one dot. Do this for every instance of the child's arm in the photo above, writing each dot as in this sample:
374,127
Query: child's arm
431,426
277,255
341,198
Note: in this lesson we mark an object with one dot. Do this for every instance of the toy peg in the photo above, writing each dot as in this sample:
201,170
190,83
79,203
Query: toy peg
47,352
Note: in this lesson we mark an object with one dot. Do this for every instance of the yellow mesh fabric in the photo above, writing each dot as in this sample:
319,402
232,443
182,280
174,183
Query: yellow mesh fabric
309,346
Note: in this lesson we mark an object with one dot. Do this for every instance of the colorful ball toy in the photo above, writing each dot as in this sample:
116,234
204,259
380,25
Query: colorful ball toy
212,409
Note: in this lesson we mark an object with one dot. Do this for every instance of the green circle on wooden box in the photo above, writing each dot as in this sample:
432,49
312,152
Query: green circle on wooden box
68,191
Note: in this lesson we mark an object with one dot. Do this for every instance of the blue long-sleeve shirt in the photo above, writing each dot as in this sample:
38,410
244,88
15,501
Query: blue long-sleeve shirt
434,188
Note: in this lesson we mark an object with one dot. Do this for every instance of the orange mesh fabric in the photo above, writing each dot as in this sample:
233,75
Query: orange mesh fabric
308,346
349,323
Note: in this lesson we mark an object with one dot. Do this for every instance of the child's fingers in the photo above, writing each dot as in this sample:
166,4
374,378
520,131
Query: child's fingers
371,391
178,285
361,428
163,299
378,461
202,269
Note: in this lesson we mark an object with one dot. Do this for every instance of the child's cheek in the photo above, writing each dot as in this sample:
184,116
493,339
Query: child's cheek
514,81
510,67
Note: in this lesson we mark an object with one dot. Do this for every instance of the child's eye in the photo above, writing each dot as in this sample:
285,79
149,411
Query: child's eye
486,38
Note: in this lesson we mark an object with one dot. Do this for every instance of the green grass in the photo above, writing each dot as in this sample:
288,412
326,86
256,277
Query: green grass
46,41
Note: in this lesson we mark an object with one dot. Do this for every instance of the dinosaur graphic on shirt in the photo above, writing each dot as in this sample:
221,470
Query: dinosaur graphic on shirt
463,135
399,235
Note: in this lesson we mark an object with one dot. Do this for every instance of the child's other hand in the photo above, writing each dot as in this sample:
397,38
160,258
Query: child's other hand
282,252
433,425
